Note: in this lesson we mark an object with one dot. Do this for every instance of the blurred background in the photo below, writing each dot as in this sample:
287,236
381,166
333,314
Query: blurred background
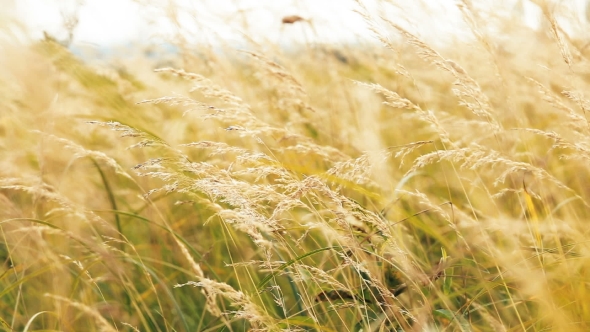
110,23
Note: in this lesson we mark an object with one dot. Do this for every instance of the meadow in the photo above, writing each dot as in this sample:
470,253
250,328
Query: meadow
391,184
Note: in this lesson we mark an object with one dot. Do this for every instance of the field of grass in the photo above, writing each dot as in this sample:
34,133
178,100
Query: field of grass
385,185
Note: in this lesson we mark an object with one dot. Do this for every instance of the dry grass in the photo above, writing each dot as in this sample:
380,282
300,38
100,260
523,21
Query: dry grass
403,186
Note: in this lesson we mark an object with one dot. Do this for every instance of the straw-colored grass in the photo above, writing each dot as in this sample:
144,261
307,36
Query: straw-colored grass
390,184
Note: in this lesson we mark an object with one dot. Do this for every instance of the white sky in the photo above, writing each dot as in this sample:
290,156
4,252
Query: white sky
114,22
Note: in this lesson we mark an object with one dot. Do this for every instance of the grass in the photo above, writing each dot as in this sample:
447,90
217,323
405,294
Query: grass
394,186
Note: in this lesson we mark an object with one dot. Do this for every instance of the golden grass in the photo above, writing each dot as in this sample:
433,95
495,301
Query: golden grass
401,186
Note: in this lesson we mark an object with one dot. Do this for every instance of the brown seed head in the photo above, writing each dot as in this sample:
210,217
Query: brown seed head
292,19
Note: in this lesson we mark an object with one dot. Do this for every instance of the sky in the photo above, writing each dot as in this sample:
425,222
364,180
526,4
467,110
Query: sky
104,23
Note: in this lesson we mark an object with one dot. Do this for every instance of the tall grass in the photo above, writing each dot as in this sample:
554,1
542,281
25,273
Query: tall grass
392,184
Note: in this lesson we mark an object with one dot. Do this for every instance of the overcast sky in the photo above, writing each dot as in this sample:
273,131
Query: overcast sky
114,22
